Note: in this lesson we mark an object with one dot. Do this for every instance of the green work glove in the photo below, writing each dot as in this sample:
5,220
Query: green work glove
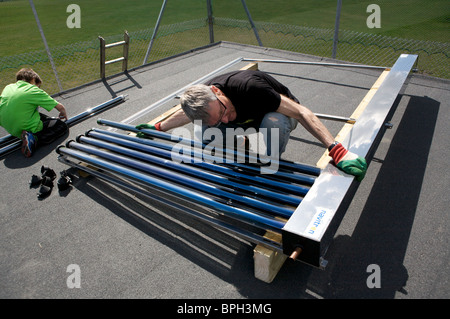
356,167
349,162
144,126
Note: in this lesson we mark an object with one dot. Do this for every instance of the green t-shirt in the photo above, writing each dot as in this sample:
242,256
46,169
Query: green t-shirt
19,107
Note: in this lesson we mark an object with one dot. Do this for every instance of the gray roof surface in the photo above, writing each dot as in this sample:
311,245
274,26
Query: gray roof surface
127,248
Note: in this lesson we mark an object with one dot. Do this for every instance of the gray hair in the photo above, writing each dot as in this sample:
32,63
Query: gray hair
195,102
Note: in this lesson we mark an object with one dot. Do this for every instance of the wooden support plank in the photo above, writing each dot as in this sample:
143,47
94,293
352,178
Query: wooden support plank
268,262
165,115
250,66
325,159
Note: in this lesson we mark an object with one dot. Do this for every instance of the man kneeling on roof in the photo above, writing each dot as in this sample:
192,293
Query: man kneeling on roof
255,99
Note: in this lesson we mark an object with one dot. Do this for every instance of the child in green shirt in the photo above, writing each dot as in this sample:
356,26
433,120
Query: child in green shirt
19,113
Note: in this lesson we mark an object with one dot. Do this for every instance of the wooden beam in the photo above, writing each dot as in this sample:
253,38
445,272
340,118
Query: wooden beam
325,159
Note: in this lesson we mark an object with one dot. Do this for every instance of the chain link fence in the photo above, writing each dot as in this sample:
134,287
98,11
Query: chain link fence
79,63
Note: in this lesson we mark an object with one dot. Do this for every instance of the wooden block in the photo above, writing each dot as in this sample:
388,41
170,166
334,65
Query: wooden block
267,261
325,159
250,66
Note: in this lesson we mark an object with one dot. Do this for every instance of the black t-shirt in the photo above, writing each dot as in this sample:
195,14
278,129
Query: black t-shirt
253,94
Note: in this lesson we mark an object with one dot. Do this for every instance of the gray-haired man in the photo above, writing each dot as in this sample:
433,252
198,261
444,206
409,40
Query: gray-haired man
256,99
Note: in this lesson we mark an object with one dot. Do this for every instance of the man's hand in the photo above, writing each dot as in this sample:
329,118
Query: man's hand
146,126
62,111
143,126
349,162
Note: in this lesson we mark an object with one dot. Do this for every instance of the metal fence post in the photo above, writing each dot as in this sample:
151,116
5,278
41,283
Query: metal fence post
155,31
251,22
45,44
210,21
336,28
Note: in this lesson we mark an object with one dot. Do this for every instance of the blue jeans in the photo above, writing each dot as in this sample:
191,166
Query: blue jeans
275,128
